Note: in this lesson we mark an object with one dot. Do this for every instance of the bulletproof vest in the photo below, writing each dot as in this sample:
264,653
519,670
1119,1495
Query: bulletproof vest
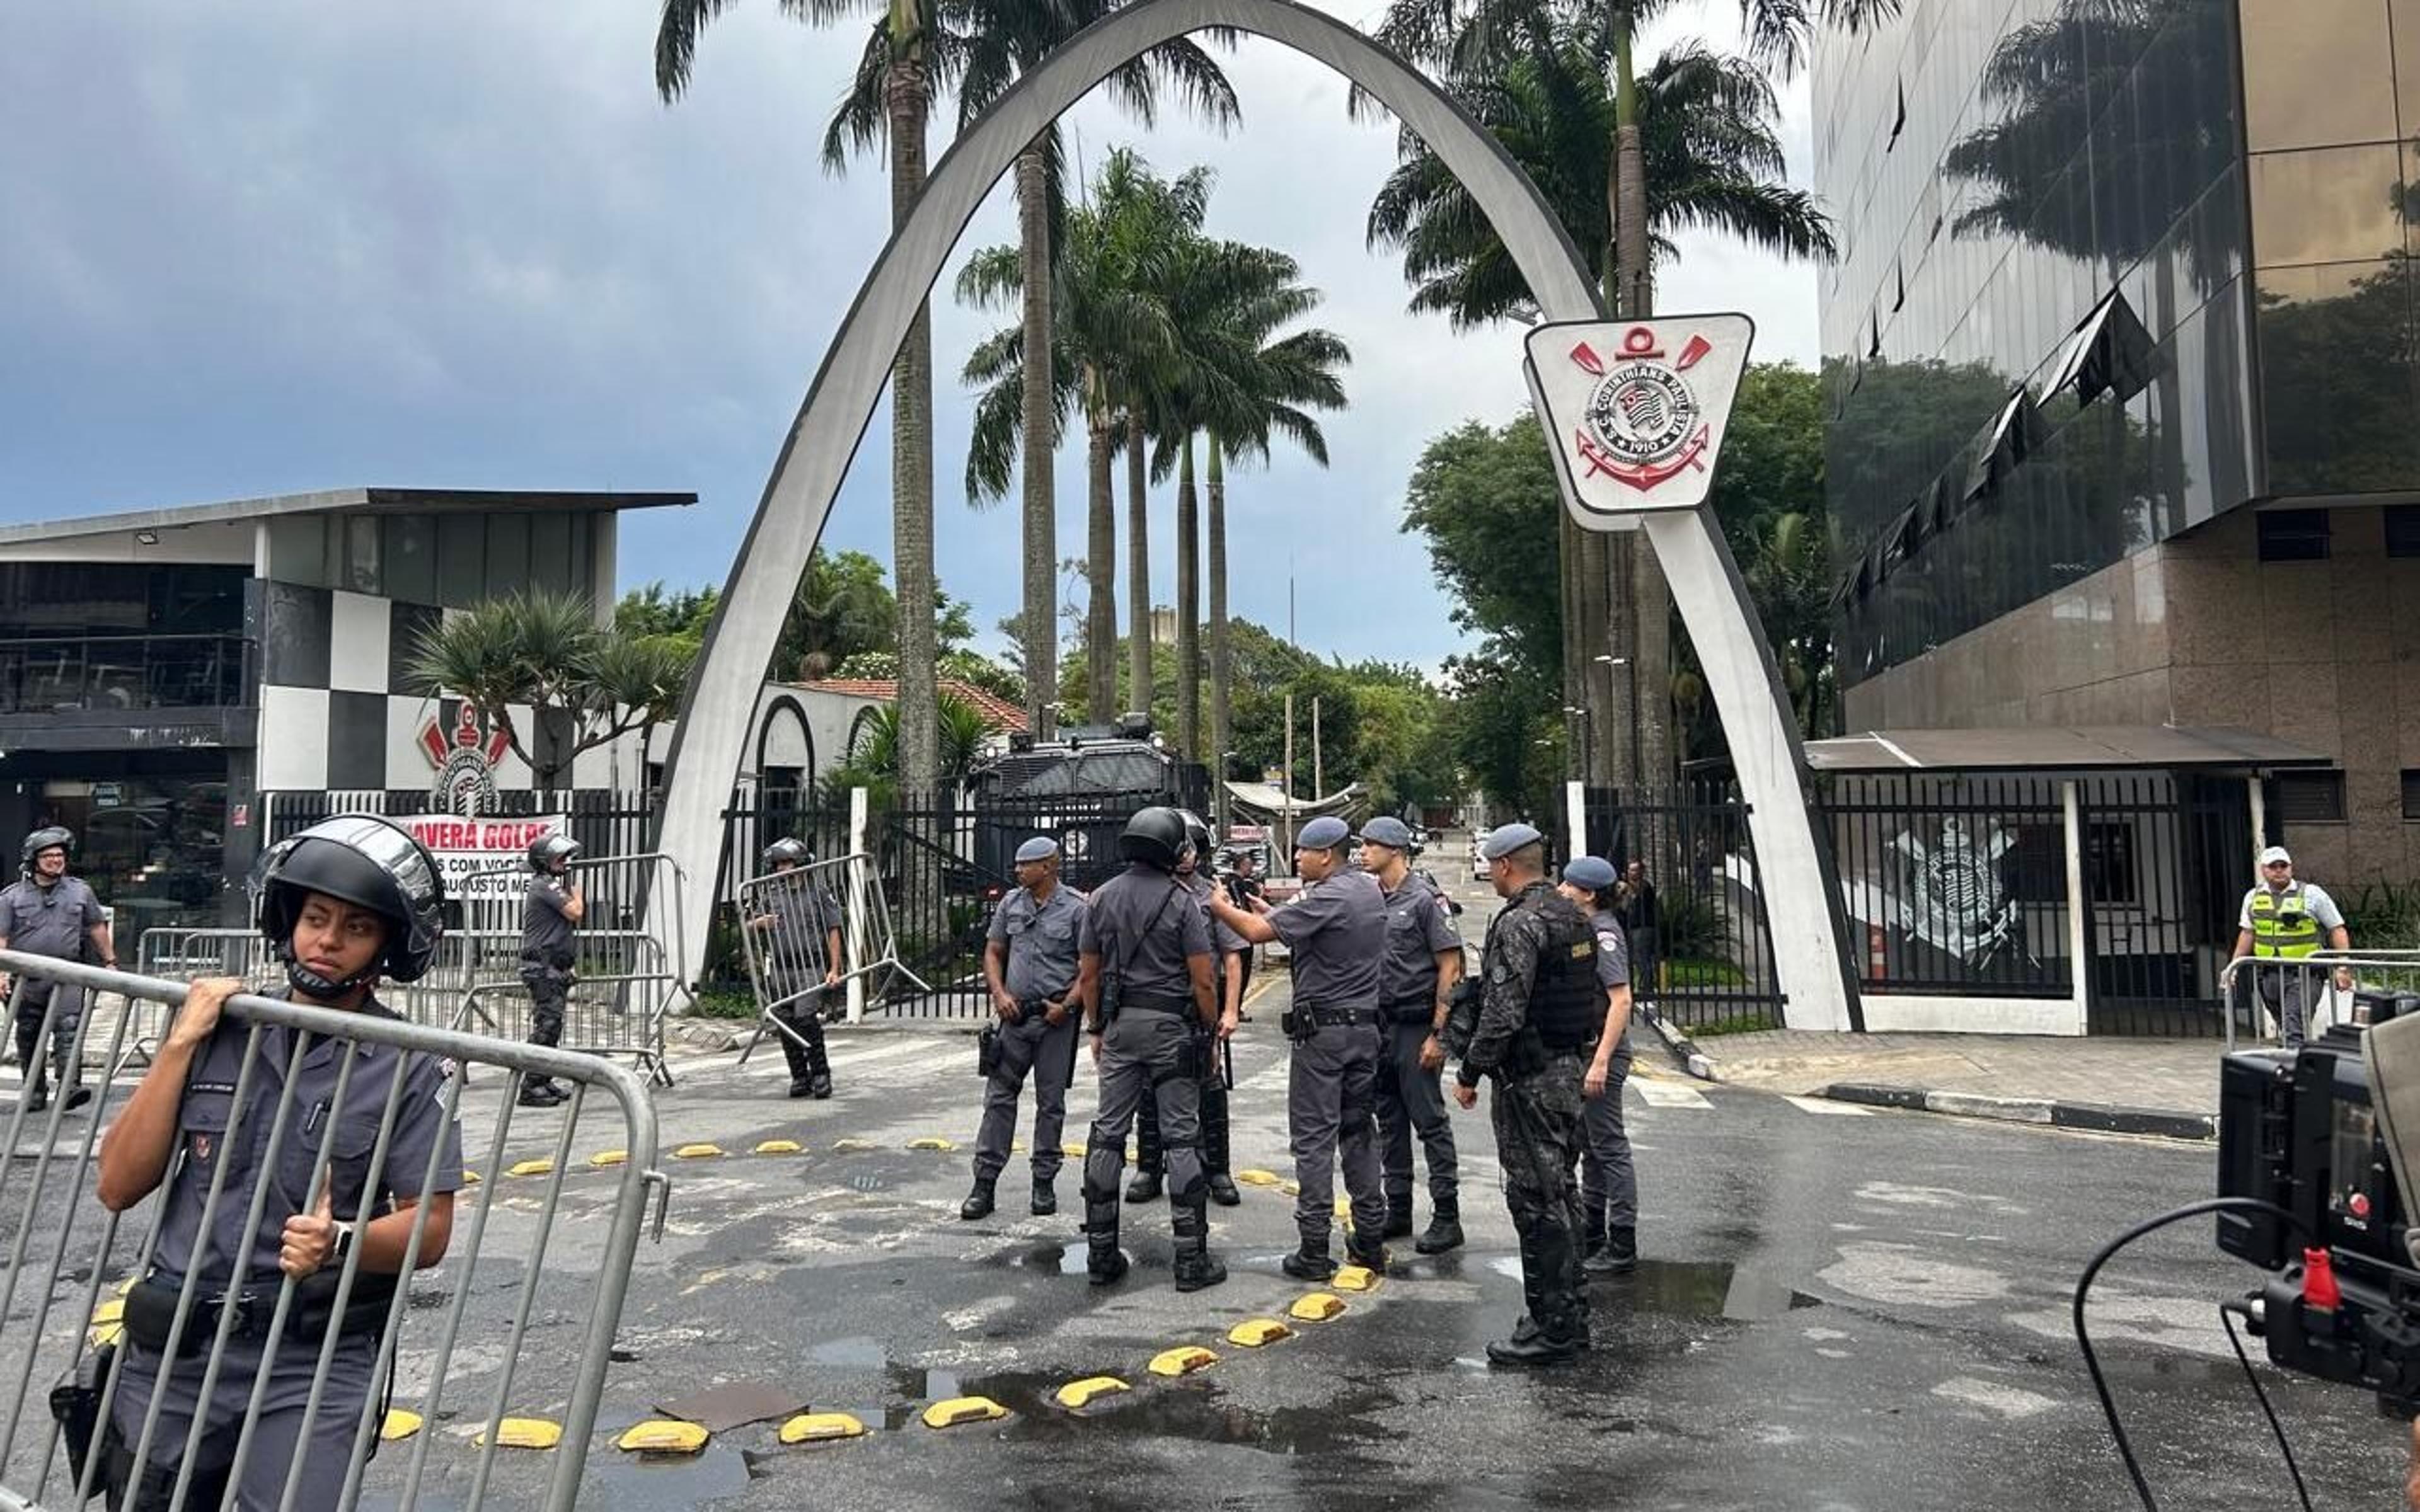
1566,1005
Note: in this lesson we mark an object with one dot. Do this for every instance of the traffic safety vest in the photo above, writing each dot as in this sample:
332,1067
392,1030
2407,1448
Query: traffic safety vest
2282,926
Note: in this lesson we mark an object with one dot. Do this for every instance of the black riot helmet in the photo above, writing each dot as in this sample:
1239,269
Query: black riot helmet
1154,837
547,850
788,852
50,837
364,860
1197,833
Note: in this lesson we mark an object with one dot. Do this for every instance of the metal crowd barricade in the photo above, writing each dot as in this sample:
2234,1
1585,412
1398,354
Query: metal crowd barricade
2313,976
786,923
71,1264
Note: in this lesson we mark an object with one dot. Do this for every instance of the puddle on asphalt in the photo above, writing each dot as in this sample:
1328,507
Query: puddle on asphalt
1064,1259
660,1483
1687,1288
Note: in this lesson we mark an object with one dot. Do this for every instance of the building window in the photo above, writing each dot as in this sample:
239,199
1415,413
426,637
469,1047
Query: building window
2312,797
2412,793
2403,530
2294,534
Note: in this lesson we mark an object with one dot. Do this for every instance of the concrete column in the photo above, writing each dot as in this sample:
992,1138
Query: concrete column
2079,971
1575,819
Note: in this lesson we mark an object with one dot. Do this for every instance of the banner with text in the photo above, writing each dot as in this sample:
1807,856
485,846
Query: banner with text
466,848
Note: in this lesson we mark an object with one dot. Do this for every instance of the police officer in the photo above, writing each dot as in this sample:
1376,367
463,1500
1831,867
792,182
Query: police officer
345,902
1539,1014
47,912
551,908
1242,885
1146,985
1336,933
802,963
1031,963
1608,1183
1231,951
1423,963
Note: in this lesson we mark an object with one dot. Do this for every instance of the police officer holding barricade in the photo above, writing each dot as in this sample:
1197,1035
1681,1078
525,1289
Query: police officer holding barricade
1608,1182
344,902
802,953
551,908
47,912
1031,963
1335,931
1423,963
1146,986
1192,869
1535,1020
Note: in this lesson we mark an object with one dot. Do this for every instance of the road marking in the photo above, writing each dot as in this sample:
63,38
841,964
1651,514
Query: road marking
1825,1105
1667,1095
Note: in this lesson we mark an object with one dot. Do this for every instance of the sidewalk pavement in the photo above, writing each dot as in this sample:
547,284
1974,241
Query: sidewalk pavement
2155,1086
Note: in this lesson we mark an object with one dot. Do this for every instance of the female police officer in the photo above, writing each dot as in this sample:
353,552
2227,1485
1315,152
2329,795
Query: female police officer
342,903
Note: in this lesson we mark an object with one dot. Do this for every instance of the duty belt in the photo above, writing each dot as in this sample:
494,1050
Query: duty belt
1159,1005
1405,1010
1323,1015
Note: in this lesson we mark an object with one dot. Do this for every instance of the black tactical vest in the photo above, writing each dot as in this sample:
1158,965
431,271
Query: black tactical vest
1566,1005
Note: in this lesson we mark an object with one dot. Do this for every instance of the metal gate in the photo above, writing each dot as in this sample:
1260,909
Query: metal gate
2164,872
1703,951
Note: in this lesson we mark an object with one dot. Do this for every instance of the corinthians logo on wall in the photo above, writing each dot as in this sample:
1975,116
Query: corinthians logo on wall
1636,409
466,762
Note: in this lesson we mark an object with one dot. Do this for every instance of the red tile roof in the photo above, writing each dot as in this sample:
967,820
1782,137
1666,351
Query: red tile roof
997,713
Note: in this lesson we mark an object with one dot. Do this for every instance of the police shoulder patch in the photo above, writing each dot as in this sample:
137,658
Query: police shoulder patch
1607,939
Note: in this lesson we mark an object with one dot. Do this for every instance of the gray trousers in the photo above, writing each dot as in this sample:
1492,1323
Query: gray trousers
2288,987
1145,1053
1028,1046
277,1441
32,1001
1608,1183
1412,1100
1331,1097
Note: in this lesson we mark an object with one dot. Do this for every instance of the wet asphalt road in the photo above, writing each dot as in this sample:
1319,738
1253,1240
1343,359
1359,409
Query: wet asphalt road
1838,1310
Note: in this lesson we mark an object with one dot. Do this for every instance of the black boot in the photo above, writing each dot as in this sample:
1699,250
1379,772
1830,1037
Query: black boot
29,1058
1540,1347
1046,1199
1399,1218
1106,1263
1149,1157
1444,1230
1196,1267
819,1083
74,1094
1214,1152
978,1203
38,1092
1145,1186
802,1071
539,1092
1370,1255
1617,1255
1311,1262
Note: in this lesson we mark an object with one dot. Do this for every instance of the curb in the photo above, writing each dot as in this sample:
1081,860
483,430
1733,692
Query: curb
2101,1118
1683,1049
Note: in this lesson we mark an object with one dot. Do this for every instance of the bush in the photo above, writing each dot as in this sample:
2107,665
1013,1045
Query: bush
725,1003
1693,925
2384,917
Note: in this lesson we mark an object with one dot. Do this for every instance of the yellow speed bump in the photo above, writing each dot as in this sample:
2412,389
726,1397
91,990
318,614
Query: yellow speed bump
531,1167
1072,1151
1182,1361
1253,1333
1257,1177
957,1409
470,1177
781,1147
852,1146
663,1436
822,1428
1353,1278
1078,1394
523,1434
400,1424
932,1142
698,1153
609,1157
110,1311
103,1336
1344,1210
1291,1188
108,1323
1317,1308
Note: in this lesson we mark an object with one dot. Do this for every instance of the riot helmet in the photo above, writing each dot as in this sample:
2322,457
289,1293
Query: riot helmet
1153,836
547,850
50,837
364,860
789,852
1197,836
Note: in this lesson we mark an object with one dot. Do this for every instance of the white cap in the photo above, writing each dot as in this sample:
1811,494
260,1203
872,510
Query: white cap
2273,855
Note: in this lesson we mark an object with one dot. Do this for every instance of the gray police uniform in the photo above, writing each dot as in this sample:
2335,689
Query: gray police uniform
1608,1183
1145,928
1041,939
805,913
1224,942
1408,1098
1336,933
52,921
546,956
424,1145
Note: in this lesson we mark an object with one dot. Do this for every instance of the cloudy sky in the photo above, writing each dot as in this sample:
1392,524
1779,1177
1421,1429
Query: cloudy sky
288,245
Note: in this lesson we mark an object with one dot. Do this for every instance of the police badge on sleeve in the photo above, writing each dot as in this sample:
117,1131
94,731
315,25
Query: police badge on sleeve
1636,409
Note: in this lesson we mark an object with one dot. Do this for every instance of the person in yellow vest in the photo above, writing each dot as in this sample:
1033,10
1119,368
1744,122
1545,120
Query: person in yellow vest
2284,919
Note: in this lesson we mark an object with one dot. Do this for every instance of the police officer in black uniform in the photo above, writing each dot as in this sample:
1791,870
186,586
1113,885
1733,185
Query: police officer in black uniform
1539,1014
802,963
1031,963
551,909
1146,986
1231,951
47,912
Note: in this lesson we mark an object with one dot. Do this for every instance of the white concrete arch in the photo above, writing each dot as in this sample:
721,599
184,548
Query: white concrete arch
1740,673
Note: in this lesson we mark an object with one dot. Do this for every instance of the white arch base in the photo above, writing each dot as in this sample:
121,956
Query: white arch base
708,746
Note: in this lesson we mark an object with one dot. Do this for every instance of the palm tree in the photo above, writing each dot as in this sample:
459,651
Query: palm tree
1474,40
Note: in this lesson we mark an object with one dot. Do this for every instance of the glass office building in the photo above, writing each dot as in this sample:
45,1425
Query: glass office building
2119,363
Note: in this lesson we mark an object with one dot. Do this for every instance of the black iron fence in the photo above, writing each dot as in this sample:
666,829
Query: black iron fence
1701,950
2165,866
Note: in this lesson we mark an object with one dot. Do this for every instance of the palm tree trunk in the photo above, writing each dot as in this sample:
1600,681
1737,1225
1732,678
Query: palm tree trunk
1041,622
906,98
1100,574
1639,578
1139,690
1215,503
1188,612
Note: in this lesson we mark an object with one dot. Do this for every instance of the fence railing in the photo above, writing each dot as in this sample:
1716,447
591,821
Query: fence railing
1701,950
184,1296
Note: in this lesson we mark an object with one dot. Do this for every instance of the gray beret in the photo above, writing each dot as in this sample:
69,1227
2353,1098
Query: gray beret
1388,831
1040,848
1594,873
1325,833
1505,838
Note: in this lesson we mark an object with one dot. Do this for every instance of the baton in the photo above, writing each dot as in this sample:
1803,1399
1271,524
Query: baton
1226,1064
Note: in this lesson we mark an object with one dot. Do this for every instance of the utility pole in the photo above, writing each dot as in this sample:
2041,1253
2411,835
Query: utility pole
1286,787
1318,768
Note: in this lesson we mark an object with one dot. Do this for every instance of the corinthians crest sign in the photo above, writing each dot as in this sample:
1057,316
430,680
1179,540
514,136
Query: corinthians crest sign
1636,409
